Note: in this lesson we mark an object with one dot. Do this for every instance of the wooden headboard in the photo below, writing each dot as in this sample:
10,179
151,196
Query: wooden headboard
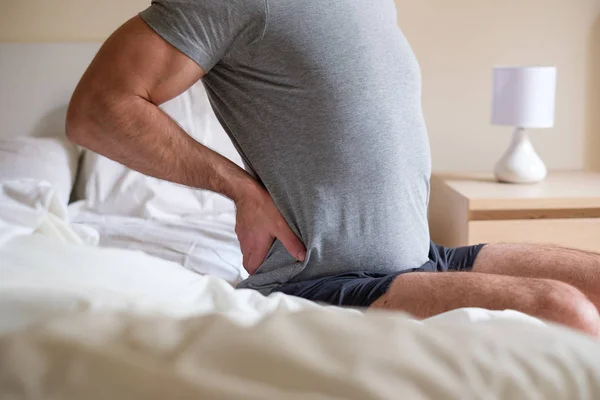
36,83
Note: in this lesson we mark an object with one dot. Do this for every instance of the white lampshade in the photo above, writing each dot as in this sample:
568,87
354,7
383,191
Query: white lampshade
524,96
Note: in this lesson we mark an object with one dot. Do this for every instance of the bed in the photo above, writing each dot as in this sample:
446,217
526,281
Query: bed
116,285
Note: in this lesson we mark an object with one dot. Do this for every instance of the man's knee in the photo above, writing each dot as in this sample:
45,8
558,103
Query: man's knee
567,304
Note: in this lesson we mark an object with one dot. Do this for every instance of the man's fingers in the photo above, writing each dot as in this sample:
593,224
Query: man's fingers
257,226
257,254
246,263
291,243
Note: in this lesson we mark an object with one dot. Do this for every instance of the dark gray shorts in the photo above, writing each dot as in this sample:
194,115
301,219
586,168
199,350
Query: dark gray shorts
361,289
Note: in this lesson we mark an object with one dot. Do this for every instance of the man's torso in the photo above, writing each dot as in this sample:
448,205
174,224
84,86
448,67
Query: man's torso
325,108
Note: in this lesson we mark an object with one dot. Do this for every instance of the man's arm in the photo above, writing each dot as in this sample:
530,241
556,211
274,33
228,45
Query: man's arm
114,112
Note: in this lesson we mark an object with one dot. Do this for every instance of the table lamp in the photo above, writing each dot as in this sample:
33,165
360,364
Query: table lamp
524,97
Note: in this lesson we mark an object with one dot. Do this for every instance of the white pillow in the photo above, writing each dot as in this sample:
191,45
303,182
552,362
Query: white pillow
46,159
111,188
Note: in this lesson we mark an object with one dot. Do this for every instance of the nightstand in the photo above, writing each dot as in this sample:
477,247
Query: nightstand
467,209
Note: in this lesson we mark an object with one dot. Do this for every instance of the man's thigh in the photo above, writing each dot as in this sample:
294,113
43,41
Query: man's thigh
575,267
428,294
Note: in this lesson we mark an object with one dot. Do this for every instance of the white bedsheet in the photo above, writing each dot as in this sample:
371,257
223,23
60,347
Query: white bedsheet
78,321
28,206
206,245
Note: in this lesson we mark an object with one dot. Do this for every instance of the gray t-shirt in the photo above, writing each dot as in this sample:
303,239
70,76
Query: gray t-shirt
323,101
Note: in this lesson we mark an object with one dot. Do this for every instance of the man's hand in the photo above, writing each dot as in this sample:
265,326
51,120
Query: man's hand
258,224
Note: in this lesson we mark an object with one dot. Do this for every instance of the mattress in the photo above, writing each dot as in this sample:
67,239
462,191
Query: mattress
81,321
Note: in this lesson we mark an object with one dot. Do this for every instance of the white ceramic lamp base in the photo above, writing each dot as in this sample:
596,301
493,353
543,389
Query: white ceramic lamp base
520,163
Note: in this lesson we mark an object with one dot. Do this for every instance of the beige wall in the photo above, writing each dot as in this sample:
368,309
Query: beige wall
593,98
457,43
64,20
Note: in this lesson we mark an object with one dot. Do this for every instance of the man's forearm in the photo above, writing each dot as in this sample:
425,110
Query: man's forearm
138,134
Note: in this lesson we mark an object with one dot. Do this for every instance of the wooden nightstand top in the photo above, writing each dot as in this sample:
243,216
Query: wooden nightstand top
576,193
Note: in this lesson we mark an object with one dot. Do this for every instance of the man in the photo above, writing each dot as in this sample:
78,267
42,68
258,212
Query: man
322,100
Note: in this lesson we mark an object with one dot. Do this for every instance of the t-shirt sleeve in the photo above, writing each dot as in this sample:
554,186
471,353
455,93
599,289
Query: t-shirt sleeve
207,30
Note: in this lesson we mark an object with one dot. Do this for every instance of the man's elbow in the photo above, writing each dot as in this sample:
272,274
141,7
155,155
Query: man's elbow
80,124
88,117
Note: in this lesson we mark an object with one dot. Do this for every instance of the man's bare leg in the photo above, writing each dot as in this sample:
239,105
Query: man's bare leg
427,294
578,268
